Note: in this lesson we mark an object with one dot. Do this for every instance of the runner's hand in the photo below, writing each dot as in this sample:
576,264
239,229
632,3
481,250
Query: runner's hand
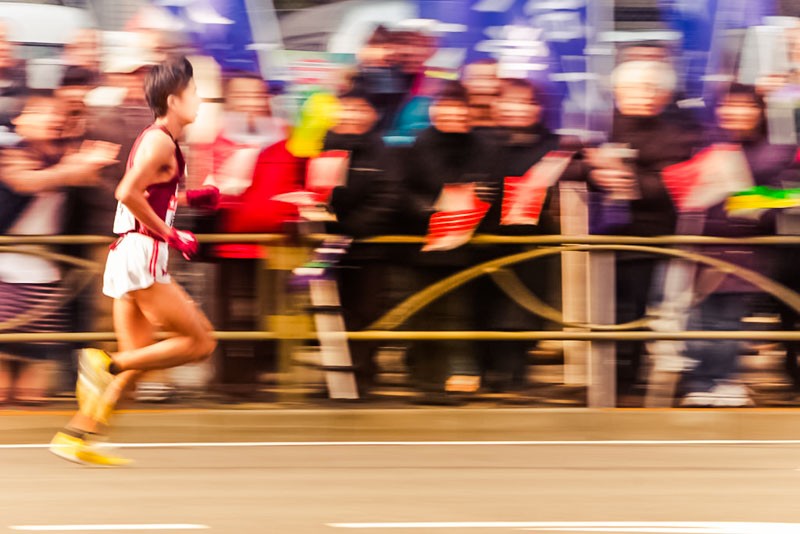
183,241
206,197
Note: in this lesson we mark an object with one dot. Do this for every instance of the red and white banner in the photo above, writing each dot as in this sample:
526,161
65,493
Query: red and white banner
327,171
708,178
524,196
459,212
234,165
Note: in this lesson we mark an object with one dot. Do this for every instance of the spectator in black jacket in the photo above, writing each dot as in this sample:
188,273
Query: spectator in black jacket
660,137
448,152
633,197
523,140
364,206
711,381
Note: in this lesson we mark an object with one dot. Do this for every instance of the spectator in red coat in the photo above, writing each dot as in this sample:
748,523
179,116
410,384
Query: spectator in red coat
250,165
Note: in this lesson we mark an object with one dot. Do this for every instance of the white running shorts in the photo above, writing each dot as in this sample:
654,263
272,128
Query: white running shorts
136,262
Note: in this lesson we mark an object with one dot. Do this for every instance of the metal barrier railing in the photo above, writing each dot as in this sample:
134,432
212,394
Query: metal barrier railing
600,336
411,239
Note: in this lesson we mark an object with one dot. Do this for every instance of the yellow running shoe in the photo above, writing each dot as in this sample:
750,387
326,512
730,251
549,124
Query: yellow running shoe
93,379
67,447
100,454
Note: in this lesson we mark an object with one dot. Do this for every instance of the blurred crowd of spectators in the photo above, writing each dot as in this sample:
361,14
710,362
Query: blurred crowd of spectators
408,133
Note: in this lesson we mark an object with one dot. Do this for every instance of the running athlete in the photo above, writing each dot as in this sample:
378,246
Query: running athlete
136,277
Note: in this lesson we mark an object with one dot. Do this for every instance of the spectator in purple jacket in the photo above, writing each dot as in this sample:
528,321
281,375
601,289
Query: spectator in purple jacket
727,299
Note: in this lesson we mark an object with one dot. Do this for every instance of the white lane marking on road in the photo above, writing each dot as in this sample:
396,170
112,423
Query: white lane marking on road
211,444
610,443
626,530
638,527
108,528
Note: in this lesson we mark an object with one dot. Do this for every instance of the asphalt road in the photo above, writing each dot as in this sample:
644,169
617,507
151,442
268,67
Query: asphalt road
397,489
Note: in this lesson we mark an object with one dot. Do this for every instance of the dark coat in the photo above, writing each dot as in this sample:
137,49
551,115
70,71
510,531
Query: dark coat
436,159
660,142
366,205
517,152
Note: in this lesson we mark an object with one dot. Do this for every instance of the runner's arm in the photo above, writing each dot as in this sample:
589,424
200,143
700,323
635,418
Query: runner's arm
154,163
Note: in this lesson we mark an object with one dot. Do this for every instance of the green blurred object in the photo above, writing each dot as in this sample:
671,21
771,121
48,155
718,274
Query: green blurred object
761,197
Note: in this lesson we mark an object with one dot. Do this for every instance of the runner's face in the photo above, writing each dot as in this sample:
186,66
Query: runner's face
187,103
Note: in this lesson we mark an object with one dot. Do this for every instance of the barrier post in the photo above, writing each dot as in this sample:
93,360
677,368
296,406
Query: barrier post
602,387
574,279
282,318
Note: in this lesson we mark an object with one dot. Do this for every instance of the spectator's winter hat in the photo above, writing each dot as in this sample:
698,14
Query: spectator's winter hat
357,91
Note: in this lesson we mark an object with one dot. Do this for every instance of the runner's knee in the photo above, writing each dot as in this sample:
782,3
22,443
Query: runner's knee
204,344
